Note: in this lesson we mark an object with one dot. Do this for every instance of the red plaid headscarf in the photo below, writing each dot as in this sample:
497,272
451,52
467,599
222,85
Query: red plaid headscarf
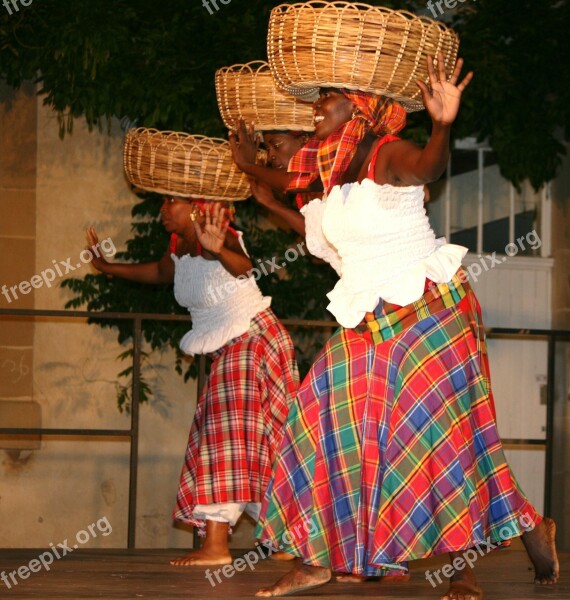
329,158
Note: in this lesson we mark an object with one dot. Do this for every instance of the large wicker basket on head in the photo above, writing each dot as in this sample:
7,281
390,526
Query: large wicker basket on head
248,92
169,162
355,46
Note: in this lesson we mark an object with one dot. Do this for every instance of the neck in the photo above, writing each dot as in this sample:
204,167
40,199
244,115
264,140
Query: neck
187,239
352,173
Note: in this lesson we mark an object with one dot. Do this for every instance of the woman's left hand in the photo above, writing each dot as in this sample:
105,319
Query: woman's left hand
244,145
212,233
443,99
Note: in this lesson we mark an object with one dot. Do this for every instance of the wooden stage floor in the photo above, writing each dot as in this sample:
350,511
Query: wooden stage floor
120,574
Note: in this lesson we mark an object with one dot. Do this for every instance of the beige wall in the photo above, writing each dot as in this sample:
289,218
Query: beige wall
47,200
17,240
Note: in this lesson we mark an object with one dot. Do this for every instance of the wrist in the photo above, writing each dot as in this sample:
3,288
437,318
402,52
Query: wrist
440,127
245,166
105,268
216,253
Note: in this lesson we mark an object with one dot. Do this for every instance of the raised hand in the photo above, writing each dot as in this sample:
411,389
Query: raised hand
443,99
97,260
244,144
212,233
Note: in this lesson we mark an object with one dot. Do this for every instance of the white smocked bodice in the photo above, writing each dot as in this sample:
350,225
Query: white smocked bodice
317,244
379,240
221,305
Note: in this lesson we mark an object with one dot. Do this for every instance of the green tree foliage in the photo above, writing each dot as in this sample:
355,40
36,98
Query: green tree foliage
519,99
152,63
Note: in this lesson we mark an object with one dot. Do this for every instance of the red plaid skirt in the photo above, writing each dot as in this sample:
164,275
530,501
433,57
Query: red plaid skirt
237,427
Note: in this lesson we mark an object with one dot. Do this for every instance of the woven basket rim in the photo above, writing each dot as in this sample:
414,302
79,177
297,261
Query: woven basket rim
216,150
292,114
311,91
360,7
181,134
289,78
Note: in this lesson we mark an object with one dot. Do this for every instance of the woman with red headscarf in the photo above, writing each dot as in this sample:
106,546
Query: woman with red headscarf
391,451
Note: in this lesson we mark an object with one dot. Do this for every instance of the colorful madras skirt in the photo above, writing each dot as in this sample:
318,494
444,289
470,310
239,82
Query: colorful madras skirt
391,451
238,423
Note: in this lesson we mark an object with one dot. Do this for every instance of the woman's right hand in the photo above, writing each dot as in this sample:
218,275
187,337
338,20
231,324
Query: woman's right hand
244,145
262,192
97,260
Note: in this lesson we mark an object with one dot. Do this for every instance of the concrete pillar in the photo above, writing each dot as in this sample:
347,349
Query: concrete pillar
18,152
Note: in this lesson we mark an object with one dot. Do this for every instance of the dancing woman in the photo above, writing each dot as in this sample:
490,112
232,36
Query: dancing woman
237,426
391,450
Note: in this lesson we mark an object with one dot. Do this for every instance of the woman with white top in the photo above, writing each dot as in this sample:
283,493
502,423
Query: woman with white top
237,426
391,451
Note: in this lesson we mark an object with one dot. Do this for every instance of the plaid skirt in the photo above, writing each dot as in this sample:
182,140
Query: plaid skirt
391,451
238,423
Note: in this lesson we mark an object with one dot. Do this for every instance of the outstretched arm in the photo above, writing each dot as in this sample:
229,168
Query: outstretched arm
405,162
160,271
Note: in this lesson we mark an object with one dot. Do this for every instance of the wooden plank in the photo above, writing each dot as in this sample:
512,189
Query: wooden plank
121,574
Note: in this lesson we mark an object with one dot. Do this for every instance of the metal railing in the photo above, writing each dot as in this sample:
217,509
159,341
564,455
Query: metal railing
132,433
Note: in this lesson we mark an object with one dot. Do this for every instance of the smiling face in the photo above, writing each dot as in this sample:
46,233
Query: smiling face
282,146
332,110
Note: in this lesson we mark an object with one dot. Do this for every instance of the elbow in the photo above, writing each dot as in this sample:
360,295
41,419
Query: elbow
431,174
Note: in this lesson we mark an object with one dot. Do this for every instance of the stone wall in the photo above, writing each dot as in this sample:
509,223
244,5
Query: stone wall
50,191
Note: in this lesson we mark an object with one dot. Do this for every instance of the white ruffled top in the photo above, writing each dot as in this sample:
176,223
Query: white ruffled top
221,305
379,240
317,244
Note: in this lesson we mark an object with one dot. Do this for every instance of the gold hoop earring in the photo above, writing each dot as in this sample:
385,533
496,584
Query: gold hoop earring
195,213
355,112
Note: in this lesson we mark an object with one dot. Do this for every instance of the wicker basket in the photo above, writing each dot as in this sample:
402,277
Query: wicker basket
248,92
168,162
355,46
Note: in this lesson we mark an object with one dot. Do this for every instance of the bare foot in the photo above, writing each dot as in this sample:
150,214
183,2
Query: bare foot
202,558
541,549
280,555
462,584
215,550
300,579
462,591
